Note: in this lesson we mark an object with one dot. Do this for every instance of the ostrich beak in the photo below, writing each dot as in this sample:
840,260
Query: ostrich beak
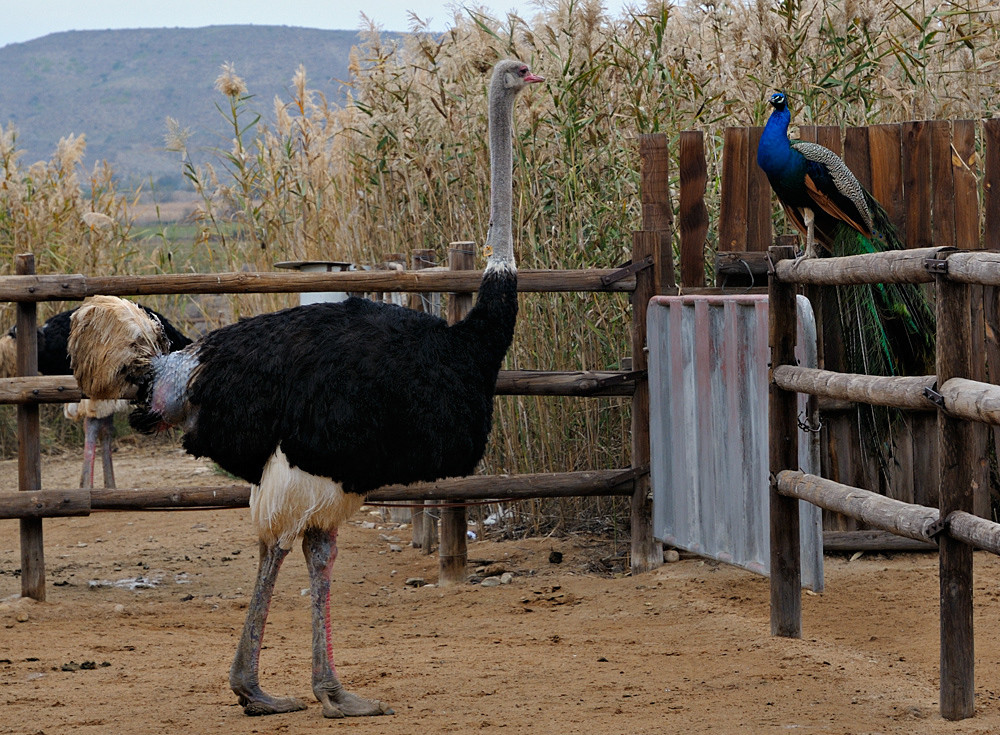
532,78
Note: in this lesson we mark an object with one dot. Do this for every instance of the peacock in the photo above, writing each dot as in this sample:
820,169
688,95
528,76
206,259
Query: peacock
888,329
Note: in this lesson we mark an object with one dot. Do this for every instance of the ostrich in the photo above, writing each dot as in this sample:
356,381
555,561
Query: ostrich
97,416
317,405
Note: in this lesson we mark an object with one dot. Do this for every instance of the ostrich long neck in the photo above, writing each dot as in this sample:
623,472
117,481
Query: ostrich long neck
500,238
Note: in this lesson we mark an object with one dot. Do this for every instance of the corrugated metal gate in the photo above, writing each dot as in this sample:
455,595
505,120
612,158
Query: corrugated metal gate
708,388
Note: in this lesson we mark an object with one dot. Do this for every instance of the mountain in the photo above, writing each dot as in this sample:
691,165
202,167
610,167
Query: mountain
117,87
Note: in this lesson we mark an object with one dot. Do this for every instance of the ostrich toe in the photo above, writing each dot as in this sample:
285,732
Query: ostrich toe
338,702
260,703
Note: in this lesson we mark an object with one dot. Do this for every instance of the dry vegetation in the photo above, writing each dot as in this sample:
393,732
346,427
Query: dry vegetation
404,164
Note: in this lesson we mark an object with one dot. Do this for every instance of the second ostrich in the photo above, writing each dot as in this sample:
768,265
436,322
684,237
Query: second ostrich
320,404
97,416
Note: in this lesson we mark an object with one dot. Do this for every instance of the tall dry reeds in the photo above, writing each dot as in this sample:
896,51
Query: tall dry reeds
404,164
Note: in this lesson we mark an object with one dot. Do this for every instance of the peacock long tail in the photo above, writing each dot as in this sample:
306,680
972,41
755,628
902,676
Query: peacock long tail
888,329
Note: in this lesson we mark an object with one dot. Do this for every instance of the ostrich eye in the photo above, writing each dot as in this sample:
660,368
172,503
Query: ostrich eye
522,71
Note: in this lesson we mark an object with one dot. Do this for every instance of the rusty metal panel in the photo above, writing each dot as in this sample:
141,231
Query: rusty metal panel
708,359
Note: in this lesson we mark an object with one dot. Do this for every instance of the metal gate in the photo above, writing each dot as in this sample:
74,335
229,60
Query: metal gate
708,358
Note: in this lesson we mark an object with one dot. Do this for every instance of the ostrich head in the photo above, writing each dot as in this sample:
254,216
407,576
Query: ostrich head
514,75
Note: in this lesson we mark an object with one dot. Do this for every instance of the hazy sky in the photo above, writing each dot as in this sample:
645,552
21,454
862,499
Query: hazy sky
42,17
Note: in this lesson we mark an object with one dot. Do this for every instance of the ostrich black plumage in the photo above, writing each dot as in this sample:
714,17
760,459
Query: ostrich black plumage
317,405
97,416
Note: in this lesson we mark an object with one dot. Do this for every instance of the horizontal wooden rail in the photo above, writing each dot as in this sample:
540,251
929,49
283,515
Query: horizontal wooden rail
53,503
874,389
970,399
960,397
902,519
75,287
978,267
892,266
63,388
972,529
40,389
568,383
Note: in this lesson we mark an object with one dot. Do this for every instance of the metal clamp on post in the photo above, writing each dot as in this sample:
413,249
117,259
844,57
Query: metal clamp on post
627,270
934,397
937,527
936,265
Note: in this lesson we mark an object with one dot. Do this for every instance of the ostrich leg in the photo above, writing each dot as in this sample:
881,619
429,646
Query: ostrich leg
243,676
320,548
91,432
97,432
105,434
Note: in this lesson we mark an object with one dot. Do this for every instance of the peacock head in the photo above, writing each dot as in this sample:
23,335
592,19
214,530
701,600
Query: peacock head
779,101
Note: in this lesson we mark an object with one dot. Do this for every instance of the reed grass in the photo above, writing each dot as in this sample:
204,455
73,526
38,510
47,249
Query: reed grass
404,164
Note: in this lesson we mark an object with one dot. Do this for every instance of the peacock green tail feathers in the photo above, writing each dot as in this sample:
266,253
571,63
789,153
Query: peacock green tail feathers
886,329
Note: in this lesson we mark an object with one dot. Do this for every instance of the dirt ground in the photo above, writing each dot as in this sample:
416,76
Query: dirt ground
560,649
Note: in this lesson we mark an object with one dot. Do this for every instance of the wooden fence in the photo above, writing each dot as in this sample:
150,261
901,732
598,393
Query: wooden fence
940,183
649,272
957,400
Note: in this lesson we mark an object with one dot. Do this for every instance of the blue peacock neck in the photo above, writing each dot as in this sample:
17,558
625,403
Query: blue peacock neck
775,155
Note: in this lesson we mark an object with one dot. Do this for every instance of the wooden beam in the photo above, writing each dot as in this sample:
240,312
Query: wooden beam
954,348
899,392
45,504
879,511
40,389
29,459
975,266
590,483
70,287
646,554
872,540
454,525
567,383
63,388
892,266
783,447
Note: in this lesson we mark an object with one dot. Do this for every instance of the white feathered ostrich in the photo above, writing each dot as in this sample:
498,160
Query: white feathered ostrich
320,404
97,416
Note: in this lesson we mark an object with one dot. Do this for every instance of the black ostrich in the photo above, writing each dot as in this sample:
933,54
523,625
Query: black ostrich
320,404
97,416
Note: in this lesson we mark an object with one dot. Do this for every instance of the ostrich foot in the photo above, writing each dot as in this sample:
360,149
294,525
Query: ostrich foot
257,703
338,702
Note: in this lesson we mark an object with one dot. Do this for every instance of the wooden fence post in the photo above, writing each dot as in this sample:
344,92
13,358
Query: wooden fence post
423,524
29,462
452,553
956,493
646,553
655,242
783,446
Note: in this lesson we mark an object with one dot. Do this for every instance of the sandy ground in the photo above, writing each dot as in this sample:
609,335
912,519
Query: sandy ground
561,649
